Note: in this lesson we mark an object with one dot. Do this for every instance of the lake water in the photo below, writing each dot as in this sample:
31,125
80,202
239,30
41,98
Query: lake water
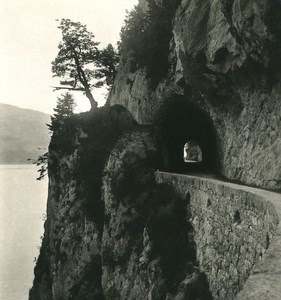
22,210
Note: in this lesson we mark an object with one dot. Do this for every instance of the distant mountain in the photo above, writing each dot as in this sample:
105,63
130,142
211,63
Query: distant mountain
22,132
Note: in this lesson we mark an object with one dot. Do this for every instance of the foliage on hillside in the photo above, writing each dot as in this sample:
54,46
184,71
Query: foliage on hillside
147,35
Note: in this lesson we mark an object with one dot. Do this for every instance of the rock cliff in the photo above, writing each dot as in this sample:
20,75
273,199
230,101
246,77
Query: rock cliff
225,60
115,228
69,264
113,232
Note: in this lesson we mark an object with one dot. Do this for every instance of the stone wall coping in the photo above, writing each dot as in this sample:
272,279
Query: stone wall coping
265,279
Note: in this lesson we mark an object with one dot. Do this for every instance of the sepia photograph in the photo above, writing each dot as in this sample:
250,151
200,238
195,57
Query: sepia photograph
140,150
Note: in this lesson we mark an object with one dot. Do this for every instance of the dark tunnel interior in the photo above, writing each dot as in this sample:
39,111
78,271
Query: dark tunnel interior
181,122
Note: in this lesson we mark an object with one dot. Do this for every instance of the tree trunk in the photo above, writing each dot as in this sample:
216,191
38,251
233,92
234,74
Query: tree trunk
84,82
93,102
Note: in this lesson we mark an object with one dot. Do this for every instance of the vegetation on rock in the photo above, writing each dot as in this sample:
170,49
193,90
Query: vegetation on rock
42,163
64,109
147,35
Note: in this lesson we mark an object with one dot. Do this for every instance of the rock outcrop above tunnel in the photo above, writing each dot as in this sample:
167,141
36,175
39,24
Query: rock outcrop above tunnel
224,58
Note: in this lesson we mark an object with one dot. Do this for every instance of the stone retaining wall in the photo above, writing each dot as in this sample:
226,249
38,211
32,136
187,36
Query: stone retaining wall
236,235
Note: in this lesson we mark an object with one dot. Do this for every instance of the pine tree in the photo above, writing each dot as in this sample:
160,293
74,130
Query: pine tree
64,109
79,64
77,58
107,67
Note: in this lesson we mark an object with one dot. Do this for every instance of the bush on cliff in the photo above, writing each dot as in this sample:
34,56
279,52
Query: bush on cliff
63,110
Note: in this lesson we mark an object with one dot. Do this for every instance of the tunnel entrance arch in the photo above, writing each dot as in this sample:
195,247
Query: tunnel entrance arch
182,124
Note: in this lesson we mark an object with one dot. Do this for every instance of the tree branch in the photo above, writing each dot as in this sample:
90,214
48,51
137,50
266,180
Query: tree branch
56,88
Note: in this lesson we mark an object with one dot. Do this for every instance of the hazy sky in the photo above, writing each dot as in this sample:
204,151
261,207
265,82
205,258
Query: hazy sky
28,43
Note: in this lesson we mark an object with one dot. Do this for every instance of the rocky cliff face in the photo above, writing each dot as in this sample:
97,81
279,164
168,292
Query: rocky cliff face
148,246
112,232
116,229
69,265
225,60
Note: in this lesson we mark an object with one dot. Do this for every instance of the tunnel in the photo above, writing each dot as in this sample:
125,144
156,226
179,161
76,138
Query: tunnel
188,141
